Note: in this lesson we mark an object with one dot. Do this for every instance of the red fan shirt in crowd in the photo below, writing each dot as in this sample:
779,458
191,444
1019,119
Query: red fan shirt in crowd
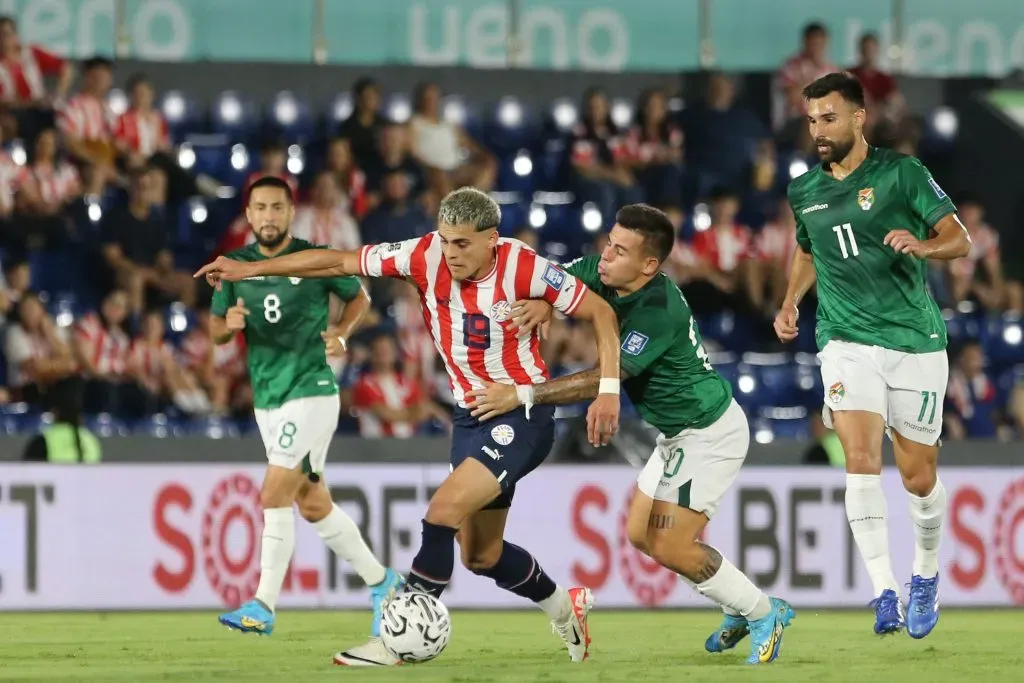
878,85
724,246
55,184
23,80
392,391
148,360
797,72
106,348
776,242
228,358
143,134
86,118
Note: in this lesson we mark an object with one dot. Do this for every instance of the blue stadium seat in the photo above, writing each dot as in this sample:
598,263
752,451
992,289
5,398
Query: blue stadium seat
215,428
288,117
55,270
181,113
551,165
516,173
158,426
458,110
106,425
1004,340
730,331
1006,381
339,109
784,422
511,127
233,115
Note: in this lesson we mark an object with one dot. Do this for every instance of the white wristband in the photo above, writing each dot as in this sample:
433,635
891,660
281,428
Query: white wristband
525,394
608,385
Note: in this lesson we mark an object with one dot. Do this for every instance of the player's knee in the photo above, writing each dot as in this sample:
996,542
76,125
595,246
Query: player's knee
445,511
861,460
920,480
479,560
670,550
636,531
313,509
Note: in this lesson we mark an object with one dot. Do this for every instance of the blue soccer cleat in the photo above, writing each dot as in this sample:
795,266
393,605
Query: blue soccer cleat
766,633
730,632
923,608
252,617
888,613
379,593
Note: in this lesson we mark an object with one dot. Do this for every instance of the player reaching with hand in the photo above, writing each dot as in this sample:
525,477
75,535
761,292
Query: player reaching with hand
867,219
704,433
468,277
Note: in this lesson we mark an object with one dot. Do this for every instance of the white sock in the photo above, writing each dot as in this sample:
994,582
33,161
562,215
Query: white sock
731,589
342,536
557,605
868,516
275,553
927,514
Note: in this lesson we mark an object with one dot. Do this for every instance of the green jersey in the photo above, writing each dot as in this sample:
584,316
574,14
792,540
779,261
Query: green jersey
867,293
670,380
286,354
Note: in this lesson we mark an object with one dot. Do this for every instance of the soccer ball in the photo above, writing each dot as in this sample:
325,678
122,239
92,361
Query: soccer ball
415,627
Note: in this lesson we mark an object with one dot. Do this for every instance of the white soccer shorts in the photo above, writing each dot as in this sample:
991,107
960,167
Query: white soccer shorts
696,467
304,426
906,389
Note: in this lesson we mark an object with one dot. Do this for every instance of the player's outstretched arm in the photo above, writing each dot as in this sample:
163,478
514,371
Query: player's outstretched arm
951,241
801,277
308,263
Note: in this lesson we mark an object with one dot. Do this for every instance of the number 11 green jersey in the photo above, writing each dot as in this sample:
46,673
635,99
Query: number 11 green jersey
867,293
286,355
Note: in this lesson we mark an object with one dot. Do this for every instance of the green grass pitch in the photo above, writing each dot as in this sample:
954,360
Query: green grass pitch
820,646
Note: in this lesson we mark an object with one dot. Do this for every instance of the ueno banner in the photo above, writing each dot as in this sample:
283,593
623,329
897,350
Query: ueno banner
170,537
980,38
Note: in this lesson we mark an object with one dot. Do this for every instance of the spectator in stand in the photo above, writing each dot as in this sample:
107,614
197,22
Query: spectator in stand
397,217
15,281
136,248
978,277
599,158
154,365
387,402
220,369
326,220
655,147
39,359
23,95
717,259
768,270
351,181
438,144
102,345
973,398
362,127
885,105
51,182
87,124
414,340
394,156
810,64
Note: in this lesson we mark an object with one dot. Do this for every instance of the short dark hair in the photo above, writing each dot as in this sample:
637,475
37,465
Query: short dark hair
135,80
8,19
653,225
97,62
272,144
814,28
271,181
362,85
846,84
865,37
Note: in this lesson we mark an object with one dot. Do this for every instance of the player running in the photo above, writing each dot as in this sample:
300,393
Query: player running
468,278
704,433
867,218
285,323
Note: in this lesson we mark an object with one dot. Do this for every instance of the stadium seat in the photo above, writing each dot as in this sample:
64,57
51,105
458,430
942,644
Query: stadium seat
158,426
458,110
1004,340
289,118
511,128
105,425
234,116
215,428
516,173
181,113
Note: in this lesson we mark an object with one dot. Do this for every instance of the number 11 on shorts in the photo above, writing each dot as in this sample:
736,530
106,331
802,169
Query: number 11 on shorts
928,401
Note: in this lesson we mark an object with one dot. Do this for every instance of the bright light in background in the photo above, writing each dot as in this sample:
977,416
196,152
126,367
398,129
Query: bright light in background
676,105
296,160
199,212
117,101
1012,334
400,110
764,435
622,113
230,109
538,216
455,112
564,113
95,211
510,112
591,218
239,157
286,110
945,121
174,106
701,217
186,156
178,320
746,384
18,154
342,107
523,165
797,168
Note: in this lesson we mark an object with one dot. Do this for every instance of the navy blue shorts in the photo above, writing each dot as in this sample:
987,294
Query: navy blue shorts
510,446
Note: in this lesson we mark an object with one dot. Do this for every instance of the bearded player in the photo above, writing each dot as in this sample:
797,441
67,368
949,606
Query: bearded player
468,277
285,324
704,433
867,219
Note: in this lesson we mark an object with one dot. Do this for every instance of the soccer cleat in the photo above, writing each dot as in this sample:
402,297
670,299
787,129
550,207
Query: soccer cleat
923,608
252,617
371,653
766,632
732,630
380,593
574,630
888,613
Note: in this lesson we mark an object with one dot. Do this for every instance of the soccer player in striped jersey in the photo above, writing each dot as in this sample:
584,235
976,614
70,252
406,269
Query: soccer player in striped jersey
468,277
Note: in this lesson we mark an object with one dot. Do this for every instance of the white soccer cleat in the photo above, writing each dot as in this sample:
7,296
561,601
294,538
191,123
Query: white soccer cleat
574,630
371,653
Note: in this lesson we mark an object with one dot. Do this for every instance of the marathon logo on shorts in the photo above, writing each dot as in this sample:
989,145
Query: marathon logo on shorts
634,343
939,192
553,277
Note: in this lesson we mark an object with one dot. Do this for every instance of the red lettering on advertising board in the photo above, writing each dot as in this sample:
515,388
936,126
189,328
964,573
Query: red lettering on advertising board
589,497
173,496
967,574
1000,541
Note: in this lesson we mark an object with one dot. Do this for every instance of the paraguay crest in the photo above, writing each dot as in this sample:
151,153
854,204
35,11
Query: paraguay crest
866,198
836,392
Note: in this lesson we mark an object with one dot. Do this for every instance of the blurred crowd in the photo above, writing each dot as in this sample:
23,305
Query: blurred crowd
76,175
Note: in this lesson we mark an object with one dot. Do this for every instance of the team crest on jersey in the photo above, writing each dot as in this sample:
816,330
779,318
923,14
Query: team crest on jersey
554,277
939,192
501,311
836,392
503,434
634,343
295,280
866,198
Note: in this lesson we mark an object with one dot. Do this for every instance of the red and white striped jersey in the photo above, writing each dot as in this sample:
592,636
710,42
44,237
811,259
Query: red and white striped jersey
393,391
143,133
414,341
21,80
148,360
228,358
86,118
469,321
776,242
106,348
723,246
335,228
56,184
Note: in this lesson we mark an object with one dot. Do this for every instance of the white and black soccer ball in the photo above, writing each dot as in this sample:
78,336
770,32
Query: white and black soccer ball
415,627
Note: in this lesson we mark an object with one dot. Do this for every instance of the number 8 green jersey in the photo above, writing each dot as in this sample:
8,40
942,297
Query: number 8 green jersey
286,355
867,293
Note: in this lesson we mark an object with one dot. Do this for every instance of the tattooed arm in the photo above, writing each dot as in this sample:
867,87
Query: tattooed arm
579,386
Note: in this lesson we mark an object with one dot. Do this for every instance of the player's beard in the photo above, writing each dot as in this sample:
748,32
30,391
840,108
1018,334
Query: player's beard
270,242
837,150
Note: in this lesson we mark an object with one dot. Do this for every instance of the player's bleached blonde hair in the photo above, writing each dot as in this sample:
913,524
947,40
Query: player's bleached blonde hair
469,206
